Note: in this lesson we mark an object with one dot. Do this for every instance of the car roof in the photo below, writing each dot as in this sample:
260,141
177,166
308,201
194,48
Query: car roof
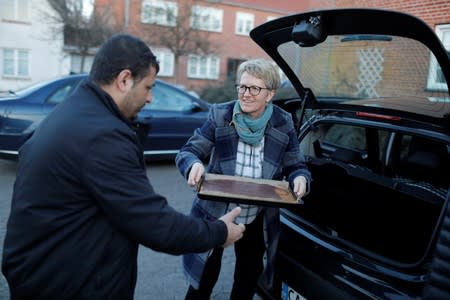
371,59
28,90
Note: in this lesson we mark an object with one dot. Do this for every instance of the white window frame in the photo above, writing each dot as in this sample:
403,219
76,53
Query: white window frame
16,10
203,67
245,22
443,32
206,18
158,12
166,61
16,65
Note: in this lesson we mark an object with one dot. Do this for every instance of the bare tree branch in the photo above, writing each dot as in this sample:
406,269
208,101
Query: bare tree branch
82,33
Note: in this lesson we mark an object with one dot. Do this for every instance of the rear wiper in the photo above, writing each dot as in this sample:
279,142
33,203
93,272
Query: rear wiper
11,92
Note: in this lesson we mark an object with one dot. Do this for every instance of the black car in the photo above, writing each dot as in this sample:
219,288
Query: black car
373,116
165,124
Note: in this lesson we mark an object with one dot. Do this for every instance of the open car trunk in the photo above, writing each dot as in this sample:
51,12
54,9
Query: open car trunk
385,204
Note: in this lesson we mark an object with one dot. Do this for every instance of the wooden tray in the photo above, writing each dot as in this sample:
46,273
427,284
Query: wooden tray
245,190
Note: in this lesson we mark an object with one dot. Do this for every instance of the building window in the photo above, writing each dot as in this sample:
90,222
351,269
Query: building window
436,79
79,64
206,18
16,10
166,62
232,66
244,23
159,12
16,62
203,67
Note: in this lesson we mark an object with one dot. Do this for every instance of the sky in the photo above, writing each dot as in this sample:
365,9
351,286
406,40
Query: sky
88,6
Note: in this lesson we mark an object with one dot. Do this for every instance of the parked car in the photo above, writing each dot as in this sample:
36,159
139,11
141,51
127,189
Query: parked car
166,123
373,117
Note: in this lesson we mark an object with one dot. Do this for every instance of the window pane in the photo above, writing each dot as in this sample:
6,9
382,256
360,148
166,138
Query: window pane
22,63
166,62
439,75
446,39
203,66
348,136
60,94
165,98
15,62
8,62
213,72
216,24
159,12
192,66
436,80
206,18
8,54
244,22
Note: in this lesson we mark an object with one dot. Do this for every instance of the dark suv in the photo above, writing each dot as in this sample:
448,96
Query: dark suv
372,112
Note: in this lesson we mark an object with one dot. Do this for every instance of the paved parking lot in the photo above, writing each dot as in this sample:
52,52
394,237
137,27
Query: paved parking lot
159,275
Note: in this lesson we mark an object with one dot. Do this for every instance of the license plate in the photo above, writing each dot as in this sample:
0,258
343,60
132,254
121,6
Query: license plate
288,293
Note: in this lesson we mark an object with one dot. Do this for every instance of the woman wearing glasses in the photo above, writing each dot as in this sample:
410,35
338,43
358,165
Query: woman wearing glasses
248,137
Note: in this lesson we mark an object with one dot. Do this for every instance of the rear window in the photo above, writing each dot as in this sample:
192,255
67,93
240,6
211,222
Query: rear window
360,67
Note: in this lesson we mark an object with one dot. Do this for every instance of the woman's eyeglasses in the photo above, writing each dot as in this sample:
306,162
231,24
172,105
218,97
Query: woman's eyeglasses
253,90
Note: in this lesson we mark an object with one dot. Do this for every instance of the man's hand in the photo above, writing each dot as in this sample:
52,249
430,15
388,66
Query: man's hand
195,174
235,231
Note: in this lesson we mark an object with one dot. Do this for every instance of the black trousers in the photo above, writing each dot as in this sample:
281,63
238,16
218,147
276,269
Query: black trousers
249,252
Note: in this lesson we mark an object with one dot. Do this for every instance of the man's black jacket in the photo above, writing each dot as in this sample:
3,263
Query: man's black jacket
82,204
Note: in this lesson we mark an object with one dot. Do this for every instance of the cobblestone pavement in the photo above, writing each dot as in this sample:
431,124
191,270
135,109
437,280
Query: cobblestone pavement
160,275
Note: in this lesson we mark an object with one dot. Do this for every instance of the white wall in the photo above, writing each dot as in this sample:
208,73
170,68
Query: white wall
46,58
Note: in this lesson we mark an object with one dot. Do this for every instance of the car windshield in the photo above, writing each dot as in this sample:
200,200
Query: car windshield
360,67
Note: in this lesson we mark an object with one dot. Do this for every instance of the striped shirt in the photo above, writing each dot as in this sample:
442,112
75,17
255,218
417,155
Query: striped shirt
249,161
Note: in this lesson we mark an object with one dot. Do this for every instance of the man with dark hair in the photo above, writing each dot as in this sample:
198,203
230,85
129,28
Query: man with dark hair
82,202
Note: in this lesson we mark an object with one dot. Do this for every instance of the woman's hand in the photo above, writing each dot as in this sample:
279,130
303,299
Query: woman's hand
299,186
196,174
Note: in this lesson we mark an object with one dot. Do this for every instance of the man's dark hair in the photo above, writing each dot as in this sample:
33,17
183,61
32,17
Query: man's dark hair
120,52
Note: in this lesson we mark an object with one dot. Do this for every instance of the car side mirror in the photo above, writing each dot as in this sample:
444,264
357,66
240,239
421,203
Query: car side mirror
195,107
309,32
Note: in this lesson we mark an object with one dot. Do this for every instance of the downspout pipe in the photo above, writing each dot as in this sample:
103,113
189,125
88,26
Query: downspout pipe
126,16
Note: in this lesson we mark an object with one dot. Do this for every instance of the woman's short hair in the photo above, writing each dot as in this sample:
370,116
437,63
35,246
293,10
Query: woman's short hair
263,69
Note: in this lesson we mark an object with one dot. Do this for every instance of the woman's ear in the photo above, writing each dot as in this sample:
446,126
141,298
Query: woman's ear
270,95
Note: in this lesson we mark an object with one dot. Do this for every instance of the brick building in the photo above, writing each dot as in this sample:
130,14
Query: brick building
225,25
433,12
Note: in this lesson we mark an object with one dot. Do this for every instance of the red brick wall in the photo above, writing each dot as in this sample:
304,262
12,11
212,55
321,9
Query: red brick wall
116,7
433,12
